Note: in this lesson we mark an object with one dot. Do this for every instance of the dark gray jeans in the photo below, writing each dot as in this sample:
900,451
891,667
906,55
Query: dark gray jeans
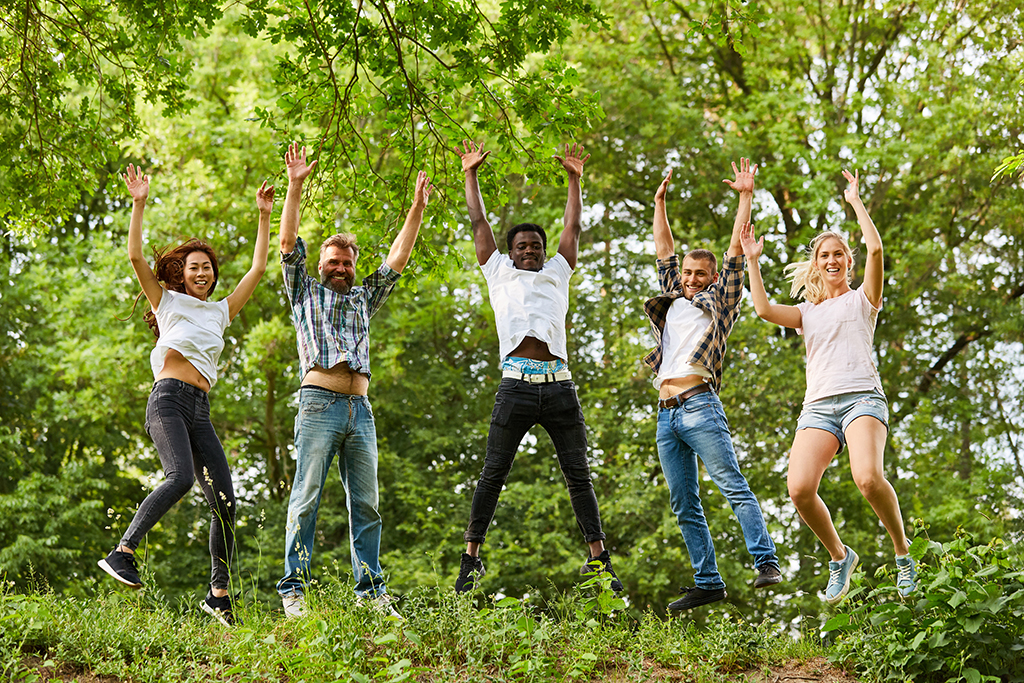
178,421
518,406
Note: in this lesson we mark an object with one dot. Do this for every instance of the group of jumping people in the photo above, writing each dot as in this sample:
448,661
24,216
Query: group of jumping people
844,405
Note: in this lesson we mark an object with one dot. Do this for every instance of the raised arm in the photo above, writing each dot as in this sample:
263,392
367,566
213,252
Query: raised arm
247,285
298,171
663,244
138,188
401,249
787,316
569,242
744,184
473,157
874,274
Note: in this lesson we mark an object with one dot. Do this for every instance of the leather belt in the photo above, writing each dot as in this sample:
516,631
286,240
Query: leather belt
559,376
677,400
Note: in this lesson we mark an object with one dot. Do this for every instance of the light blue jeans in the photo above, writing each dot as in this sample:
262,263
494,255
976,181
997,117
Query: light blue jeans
699,428
330,423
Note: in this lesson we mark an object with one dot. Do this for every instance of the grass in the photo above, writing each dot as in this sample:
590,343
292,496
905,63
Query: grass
444,637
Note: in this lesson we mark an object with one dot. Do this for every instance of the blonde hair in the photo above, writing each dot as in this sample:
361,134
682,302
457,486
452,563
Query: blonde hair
343,240
805,278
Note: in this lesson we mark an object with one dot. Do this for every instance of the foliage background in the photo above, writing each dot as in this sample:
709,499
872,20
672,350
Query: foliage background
924,99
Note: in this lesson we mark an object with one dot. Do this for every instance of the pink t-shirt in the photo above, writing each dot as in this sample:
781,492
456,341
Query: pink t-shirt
838,336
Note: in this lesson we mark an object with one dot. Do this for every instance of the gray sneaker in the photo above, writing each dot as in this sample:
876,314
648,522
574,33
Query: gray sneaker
294,605
383,604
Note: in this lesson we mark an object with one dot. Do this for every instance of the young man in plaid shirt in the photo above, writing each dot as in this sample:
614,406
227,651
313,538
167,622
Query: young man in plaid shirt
691,320
332,319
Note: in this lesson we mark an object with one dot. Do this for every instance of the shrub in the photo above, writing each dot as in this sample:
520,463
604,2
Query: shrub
965,622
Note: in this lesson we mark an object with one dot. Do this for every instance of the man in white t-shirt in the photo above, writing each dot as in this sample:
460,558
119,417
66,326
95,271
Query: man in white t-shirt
530,299
691,320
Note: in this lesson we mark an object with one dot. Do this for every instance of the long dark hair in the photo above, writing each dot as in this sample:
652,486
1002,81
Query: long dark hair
170,271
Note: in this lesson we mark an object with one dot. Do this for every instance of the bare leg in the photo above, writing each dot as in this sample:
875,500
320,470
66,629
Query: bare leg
865,437
473,549
596,548
813,450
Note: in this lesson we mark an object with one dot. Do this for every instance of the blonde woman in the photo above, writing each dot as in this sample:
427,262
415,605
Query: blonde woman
844,403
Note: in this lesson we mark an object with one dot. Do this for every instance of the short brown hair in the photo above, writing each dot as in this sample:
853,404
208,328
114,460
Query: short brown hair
343,240
704,255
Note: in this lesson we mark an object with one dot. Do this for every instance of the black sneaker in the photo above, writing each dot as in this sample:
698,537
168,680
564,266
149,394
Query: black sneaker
602,563
219,608
695,597
122,567
768,575
470,569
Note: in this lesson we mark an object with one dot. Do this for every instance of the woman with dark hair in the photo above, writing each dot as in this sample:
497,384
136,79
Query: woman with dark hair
844,403
190,336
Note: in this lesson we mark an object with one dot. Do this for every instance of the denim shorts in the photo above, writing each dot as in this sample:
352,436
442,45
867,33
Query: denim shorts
835,413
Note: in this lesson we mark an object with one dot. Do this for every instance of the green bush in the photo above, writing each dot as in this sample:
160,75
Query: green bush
965,622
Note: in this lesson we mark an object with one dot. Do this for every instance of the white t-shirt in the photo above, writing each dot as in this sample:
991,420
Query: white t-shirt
838,336
193,328
685,324
529,303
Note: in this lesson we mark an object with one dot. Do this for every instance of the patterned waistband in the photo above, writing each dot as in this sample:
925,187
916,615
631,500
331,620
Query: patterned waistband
529,366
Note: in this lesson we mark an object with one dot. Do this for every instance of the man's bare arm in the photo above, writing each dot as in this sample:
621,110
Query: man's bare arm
401,249
298,171
744,184
473,156
569,242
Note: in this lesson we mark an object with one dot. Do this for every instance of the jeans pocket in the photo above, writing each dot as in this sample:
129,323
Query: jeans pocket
314,406
502,412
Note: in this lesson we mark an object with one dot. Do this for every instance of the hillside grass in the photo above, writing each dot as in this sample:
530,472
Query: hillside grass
136,636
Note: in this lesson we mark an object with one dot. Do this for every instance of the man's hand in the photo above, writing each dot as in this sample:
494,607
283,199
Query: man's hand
744,182
423,190
295,163
659,196
138,184
572,161
473,156
751,249
852,193
265,198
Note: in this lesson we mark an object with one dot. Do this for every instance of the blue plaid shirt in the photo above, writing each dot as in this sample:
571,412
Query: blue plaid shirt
333,327
721,300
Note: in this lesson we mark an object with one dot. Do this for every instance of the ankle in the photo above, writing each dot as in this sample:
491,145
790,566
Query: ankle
218,592
124,549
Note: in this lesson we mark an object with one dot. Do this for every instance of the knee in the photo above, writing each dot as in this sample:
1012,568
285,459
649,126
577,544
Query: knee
802,494
870,483
178,485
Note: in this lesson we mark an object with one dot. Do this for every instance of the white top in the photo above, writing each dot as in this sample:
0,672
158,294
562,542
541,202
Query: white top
193,328
685,326
529,303
838,335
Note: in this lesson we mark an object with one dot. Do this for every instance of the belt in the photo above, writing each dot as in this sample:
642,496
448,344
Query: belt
559,376
677,400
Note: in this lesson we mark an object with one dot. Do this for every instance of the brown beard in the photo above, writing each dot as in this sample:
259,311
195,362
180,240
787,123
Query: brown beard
336,286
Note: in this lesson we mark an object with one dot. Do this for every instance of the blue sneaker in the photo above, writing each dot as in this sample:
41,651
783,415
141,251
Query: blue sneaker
906,576
839,577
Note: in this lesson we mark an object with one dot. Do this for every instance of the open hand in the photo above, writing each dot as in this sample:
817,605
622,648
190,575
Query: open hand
138,184
852,193
573,160
265,198
423,189
473,156
751,249
744,181
295,162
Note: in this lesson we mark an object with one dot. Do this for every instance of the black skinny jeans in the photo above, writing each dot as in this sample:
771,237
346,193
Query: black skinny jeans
178,420
518,406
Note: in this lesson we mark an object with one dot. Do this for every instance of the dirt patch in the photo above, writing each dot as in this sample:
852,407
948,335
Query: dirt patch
816,670
64,672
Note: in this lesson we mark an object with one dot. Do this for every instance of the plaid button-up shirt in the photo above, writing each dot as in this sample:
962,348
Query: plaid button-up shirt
721,300
333,327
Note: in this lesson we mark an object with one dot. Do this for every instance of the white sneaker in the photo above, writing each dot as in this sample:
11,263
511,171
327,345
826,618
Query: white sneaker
294,605
382,604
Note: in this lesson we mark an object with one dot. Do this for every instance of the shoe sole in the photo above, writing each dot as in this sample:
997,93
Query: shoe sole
215,613
110,570
846,586
686,608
